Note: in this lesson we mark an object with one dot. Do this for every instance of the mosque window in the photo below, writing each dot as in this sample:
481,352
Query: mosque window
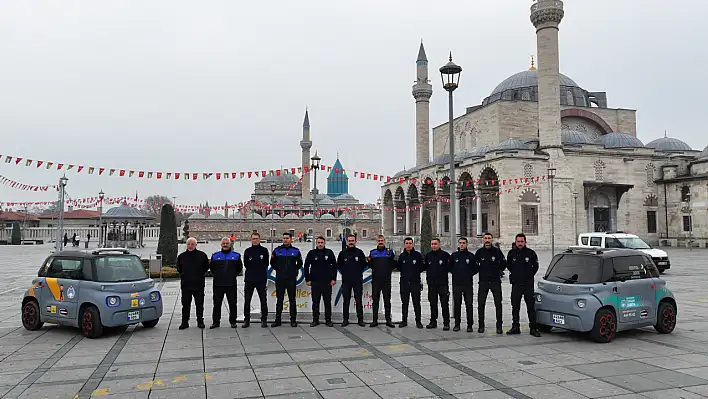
525,96
364,233
529,219
569,97
650,175
328,233
528,171
685,194
651,222
599,170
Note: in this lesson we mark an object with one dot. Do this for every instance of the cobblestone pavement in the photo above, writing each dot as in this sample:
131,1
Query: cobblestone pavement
351,362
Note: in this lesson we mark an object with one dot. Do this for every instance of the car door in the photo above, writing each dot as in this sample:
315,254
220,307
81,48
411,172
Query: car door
62,283
636,290
41,291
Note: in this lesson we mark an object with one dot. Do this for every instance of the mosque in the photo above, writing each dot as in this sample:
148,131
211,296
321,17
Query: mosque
538,124
284,202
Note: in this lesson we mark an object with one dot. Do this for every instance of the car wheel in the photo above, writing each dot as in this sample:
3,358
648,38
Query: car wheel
665,318
544,328
30,316
151,323
661,271
605,326
91,325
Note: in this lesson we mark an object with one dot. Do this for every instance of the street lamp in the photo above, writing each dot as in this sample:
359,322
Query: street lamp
101,195
378,208
551,176
58,245
315,166
272,210
450,74
575,213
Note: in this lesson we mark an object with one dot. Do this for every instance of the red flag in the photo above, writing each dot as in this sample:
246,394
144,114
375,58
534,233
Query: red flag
17,160
277,172
122,173
39,163
263,173
100,171
79,169
234,174
177,176
249,175
292,170
141,174
159,175
195,176
59,166
218,176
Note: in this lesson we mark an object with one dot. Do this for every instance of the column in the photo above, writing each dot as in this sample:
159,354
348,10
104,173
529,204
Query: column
438,218
393,233
420,219
468,208
457,211
479,211
408,218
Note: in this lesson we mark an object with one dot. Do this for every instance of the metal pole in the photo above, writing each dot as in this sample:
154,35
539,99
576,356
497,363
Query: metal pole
453,184
100,220
575,214
314,217
553,225
60,230
272,226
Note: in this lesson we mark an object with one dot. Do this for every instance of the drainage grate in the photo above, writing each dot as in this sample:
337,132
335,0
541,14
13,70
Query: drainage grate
334,381
526,362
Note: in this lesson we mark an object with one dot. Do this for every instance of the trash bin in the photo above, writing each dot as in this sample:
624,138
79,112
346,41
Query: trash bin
86,244
155,263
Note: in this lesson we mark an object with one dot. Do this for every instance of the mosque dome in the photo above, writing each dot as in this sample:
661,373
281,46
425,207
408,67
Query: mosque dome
291,216
704,154
325,202
284,178
216,216
195,216
511,145
619,140
669,144
574,137
327,216
527,78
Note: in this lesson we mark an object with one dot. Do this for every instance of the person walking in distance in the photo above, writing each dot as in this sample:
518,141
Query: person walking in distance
437,267
411,264
352,263
382,262
463,266
191,266
321,276
255,258
491,263
286,261
225,265
522,263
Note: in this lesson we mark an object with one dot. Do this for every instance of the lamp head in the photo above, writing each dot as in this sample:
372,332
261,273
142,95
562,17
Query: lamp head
551,172
450,74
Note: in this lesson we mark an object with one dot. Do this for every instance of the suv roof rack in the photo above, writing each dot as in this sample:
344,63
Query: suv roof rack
580,248
100,251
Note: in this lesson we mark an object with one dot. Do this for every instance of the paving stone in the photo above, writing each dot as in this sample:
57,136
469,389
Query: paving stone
610,369
549,391
323,368
635,383
557,374
675,379
437,371
212,364
674,393
195,392
270,373
461,384
517,378
402,390
349,393
418,360
287,386
68,374
594,388
137,370
366,365
336,381
378,377
55,391
267,360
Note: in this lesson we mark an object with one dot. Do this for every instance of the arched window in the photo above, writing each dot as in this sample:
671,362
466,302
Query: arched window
599,170
569,98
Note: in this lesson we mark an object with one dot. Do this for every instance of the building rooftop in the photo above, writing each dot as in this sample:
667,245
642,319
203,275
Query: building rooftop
669,144
76,214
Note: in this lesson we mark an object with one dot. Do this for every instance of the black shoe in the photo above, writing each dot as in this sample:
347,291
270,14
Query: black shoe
276,323
183,326
389,324
535,333
213,326
233,325
374,324
469,329
456,328
500,331
361,323
329,323
402,324
200,324
345,323
314,324
246,323
480,330
293,323
419,324
264,324
446,327
513,331
431,325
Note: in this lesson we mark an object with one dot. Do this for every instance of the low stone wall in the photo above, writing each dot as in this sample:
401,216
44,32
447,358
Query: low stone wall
216,229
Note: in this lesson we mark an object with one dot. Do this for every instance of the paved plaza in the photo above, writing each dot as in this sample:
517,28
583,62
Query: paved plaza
351,362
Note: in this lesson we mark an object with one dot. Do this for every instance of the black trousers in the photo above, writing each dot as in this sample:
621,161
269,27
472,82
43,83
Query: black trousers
187,304
347,288
381,288
441,291
260,287
526,290
280,288
219,293
466,292
321,290
410,290
496,289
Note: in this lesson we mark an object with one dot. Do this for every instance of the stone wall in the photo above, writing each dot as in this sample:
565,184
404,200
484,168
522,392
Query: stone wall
475,129
217,229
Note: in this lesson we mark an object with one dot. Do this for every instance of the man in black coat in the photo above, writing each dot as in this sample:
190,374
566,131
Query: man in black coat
463,266
352,263
256,259
225,265
191,265
321,276
286,261
411,264
382,261
437,266
522,263
491,263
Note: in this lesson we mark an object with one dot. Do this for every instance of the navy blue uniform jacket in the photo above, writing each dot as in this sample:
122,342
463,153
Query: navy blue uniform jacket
286,262
522,265
382,262
464,266
351,263
256,259
410,264
491,263
225,266
321,266
437,266
191,266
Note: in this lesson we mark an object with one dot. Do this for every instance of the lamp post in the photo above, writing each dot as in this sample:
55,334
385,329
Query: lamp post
378,208
551,176
101,195
575,214
272,223
315,166
450,74
690,221
60,228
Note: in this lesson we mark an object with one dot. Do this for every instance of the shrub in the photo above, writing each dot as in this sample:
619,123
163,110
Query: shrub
426,232
167,243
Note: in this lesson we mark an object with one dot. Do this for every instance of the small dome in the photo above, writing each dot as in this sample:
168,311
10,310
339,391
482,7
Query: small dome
571,137
327,216
511,145
307,217
326,201
273,216
196,216
291,216
362,216
346,216
345,197
216,216
402,173
441,159
127,212
619,140
669,144
304,202
284,178
704,154
475,152
254,215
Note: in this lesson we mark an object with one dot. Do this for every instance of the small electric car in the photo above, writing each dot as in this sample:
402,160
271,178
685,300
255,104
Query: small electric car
91,290
603,291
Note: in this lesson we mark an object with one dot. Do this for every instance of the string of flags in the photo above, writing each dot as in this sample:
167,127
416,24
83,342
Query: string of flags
27,187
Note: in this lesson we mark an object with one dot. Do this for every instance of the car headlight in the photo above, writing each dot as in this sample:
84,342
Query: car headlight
538,298
538,284
155,296
113,301
580,303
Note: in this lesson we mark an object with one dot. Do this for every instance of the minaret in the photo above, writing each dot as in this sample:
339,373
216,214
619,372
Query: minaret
546,15
422,91
306,144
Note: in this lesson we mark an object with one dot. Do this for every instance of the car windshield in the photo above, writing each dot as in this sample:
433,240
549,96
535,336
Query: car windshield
633,243
575,269
116,269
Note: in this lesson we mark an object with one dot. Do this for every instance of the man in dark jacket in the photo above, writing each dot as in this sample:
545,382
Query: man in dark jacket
463,266
256,260
522,263
382,262
321,276
286,261
225,265
411,264
437,266
351,263
491,263
191,265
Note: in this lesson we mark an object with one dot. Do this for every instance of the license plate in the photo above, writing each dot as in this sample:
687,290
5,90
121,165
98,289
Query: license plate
661,263
134,315
558,319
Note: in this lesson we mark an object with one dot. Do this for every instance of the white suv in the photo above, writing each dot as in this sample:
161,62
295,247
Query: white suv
624,240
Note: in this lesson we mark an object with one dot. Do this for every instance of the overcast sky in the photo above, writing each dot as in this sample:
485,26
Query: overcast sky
178,86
